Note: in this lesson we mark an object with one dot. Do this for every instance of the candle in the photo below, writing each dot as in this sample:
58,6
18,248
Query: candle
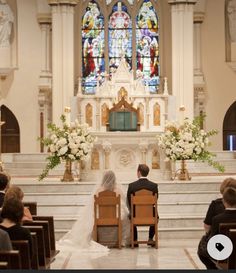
67,115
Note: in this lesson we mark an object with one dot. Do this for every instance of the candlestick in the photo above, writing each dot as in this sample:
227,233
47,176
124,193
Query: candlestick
67,115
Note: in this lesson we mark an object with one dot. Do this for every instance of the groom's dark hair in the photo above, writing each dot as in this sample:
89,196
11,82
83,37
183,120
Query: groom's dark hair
143,169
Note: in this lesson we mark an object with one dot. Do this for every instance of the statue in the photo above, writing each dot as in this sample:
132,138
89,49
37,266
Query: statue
231,12
6,21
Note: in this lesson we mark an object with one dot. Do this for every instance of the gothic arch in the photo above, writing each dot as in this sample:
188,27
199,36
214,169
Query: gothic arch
10,132
229,128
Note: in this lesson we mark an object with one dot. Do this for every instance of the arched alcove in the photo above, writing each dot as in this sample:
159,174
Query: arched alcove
10,132
229,128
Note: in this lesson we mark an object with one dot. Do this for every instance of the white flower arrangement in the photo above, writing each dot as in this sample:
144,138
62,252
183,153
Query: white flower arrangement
72,142
187,141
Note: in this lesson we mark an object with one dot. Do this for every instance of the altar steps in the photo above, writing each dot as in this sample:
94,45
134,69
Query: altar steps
181,205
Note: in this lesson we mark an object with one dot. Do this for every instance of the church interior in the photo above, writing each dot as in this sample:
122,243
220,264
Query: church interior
125,68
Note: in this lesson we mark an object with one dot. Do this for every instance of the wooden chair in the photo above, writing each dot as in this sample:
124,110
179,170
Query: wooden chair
32,206
12,257
23,247
143,213
107,213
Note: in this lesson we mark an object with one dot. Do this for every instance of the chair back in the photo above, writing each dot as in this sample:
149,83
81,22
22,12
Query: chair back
232,257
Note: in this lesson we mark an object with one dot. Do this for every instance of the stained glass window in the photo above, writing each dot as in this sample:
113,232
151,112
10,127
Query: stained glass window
93,64
147,49
120,36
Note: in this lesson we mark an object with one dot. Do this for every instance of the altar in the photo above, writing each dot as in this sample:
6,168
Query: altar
126,118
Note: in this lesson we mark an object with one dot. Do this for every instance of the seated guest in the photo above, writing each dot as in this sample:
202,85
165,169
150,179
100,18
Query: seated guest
5,242
217,206
4,184
12,214
227,216
16,192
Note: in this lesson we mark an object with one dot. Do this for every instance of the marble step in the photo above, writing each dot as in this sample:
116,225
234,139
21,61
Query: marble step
164,233
165,221
51,185
83,197
181,208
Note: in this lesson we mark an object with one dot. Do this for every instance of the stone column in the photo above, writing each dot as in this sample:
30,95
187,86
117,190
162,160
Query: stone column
199,82
182,55
107,150
62,55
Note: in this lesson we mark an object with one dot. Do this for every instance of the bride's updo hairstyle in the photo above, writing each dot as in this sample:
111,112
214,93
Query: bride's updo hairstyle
109,180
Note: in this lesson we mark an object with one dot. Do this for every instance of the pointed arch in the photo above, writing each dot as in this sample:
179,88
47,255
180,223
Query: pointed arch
10,131
155,159
105,114
147,46
229,128
141,113
95,162
119,36
93,44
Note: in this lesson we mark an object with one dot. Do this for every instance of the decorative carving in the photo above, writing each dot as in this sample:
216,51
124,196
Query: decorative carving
125,158
6,21
89,114
141,114
122,94
95,162
156,115
155,160
105,114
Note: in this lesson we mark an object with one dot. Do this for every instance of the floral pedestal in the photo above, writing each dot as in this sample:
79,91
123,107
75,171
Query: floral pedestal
182,173
68,176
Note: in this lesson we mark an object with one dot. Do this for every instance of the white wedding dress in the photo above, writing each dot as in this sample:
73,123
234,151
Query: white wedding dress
79,238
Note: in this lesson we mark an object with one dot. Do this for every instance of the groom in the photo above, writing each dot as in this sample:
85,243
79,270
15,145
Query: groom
140,184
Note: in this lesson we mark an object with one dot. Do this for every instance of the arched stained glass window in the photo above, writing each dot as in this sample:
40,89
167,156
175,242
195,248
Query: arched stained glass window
147,49
93,67
120,36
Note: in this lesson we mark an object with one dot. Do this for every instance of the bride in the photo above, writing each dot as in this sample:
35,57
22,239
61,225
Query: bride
79,238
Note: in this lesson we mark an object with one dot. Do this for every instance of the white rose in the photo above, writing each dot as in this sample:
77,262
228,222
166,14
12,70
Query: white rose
63,150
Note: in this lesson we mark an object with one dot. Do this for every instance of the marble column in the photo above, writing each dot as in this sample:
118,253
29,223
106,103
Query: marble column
199,82
45,76
62,55
182,55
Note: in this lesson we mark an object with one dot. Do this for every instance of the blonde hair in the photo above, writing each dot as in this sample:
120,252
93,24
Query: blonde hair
14,192
228,182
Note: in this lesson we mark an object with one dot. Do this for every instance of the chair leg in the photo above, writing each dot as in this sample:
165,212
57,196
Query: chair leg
119,236
156,237
132,235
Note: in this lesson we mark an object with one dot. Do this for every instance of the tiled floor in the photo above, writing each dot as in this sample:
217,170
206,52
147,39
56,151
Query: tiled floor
172,254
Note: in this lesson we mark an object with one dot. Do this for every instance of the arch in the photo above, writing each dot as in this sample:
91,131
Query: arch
229,128
155,159
105,114
147,45
89,114
95,162
93,46
10,132
141,113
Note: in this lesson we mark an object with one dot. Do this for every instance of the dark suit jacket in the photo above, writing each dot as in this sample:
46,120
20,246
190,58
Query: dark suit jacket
228,216
141,184
2,195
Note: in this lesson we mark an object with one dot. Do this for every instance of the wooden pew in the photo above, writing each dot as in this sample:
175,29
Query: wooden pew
230,263
41,245
47,242
12,257
35,254
50,220
32,206
23,247
4,265
232,258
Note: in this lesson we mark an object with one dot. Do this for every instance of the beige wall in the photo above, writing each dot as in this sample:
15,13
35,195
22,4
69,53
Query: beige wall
22,86
220,79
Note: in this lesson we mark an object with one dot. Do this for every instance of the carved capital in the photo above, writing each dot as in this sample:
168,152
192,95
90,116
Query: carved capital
44,18
106,145
63,2
181,2
198,17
